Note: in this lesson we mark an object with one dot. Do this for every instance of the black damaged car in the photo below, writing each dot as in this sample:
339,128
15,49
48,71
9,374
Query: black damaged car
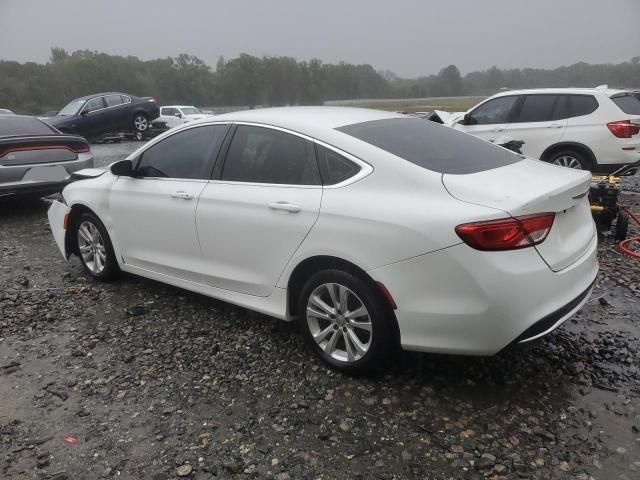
96,115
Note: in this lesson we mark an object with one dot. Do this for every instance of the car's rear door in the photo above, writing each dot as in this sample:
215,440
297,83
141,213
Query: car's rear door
154,211
118,111
489,120
263,201
540,121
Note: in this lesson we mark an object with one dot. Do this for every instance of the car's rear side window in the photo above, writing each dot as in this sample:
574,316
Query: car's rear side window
265,155
580,105
334,168
19,125
536,108
628,102
432,146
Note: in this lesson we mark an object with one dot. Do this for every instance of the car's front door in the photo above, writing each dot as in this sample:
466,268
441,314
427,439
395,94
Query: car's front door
94,120
488,120
540,121
154,211
171,116
263,201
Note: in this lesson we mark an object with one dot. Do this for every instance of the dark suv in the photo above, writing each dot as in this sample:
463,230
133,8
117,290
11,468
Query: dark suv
96,115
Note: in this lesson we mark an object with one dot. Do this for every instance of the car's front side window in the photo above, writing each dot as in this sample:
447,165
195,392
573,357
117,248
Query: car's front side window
264,155
187,154
494,111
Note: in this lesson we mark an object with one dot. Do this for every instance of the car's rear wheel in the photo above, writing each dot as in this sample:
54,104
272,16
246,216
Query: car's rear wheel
345,321
570,159
140,123
94,248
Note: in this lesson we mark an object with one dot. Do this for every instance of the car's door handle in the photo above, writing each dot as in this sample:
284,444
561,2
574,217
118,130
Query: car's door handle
498,130
287,207
555,125
182,195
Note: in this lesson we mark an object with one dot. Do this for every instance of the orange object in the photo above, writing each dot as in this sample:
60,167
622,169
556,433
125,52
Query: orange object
66,221
71,440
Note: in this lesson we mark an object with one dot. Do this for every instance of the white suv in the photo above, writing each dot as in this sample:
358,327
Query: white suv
175,115
593,129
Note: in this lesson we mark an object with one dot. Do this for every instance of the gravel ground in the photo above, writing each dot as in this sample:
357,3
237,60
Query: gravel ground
138,380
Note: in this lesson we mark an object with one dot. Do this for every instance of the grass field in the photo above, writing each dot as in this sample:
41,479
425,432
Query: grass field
449,104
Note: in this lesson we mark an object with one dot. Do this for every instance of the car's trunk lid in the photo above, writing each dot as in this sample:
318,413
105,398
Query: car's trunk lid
530,187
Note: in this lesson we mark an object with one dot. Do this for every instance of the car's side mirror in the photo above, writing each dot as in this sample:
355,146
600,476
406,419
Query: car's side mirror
177,114
123,168
464,120
83,113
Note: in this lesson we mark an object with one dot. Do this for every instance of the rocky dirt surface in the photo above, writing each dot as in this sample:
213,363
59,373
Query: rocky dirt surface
138,380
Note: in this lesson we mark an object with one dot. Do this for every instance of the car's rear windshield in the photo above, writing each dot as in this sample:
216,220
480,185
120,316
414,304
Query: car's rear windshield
628,102
432,146
18,125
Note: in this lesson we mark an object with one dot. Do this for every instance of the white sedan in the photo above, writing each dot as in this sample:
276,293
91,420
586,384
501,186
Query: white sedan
174,115
371,229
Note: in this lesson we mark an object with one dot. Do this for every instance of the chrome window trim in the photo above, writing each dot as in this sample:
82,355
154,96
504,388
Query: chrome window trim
365,168
105,101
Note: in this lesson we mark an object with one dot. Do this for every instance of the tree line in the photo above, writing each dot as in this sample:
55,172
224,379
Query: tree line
251,81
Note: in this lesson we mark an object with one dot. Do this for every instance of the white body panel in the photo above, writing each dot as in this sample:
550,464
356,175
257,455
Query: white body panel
396,222
248,236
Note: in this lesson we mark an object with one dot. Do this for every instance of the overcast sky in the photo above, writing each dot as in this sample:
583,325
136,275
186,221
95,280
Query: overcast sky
408,37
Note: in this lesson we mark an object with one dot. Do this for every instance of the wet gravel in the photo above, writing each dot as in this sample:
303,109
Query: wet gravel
138,380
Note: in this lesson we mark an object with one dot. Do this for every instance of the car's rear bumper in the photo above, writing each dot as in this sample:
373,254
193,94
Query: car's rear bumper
35,180
462,301
32,188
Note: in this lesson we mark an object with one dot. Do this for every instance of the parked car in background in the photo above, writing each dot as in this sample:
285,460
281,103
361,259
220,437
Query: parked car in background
175,115
595,129
102,113
37,160
4,111
48,114
370,228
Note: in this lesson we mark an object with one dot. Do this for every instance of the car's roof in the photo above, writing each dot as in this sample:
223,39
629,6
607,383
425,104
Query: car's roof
87,97
596,90
178,106
307,120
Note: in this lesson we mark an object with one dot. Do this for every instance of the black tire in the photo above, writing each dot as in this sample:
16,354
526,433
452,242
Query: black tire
140,123
110,269
622,225
571,159
382,337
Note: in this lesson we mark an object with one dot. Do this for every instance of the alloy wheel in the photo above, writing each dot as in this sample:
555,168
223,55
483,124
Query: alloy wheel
141,123
92,247
568,161
339,322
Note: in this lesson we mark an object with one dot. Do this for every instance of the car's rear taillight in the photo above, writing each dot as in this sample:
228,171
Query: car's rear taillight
508,233
624,128
75,146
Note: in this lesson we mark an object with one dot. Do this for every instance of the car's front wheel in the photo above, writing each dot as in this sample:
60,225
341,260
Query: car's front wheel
345,321
94,248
